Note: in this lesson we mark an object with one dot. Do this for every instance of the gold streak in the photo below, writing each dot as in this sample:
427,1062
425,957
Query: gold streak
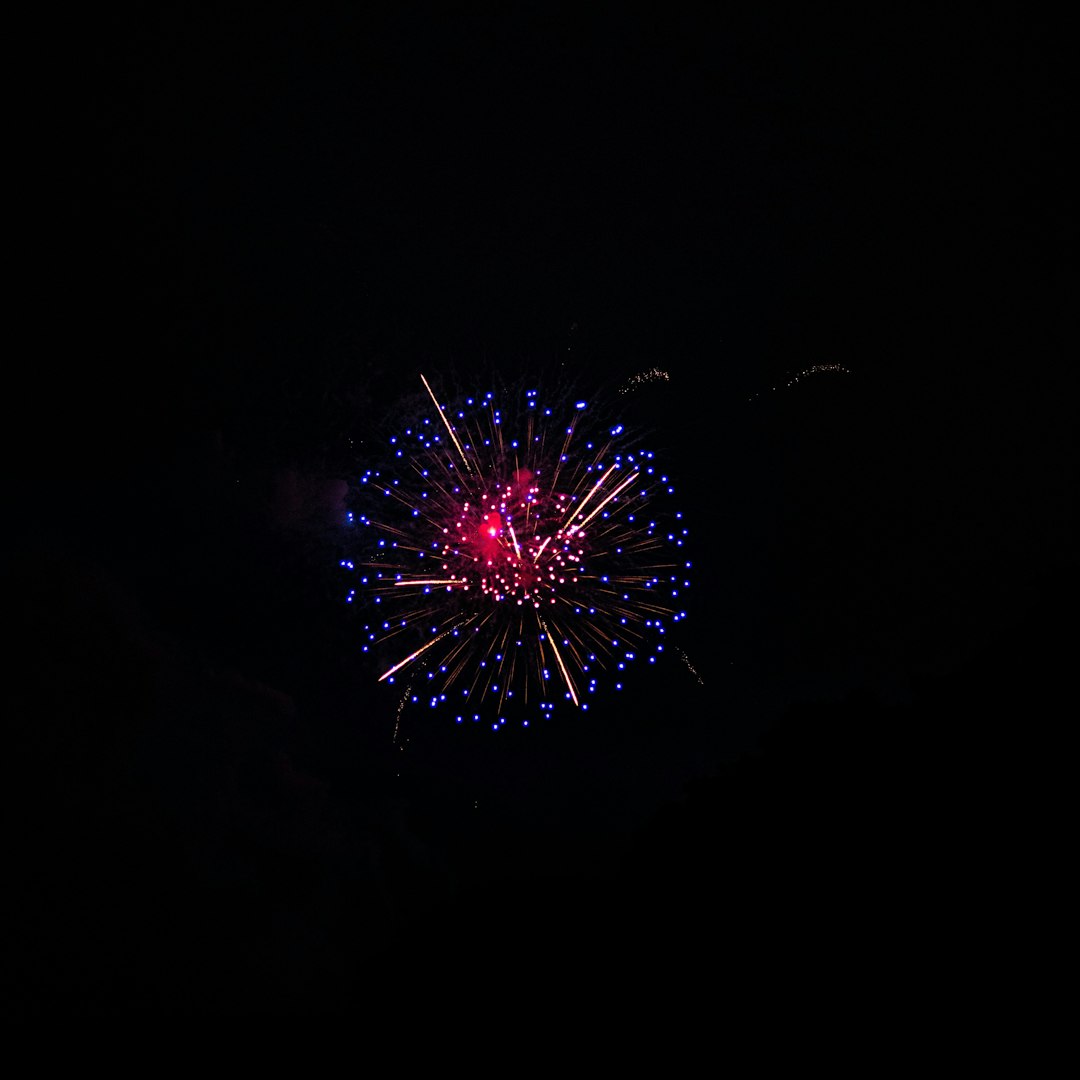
411,657
559,660
581,525
594,489
424,648
438,408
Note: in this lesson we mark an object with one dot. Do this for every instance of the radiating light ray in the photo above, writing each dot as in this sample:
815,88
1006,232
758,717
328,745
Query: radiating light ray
438,409
559,660
431,581
517,549
613,495
413,656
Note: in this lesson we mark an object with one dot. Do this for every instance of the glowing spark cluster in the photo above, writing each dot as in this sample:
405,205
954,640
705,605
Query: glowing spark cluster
515,555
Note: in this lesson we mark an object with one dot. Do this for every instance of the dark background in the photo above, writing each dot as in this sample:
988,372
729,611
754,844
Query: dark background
249,234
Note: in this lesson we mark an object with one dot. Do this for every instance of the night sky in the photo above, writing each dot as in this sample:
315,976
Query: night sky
847,241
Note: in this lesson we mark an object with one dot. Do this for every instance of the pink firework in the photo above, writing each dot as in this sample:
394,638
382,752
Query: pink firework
515,556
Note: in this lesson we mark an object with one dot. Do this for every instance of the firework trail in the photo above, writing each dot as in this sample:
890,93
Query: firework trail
514,555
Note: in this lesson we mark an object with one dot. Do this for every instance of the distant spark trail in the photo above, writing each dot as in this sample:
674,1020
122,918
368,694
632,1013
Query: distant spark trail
817,369
799,376
653,374
690,667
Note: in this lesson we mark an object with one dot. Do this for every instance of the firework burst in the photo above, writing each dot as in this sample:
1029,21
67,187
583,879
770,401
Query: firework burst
515,555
